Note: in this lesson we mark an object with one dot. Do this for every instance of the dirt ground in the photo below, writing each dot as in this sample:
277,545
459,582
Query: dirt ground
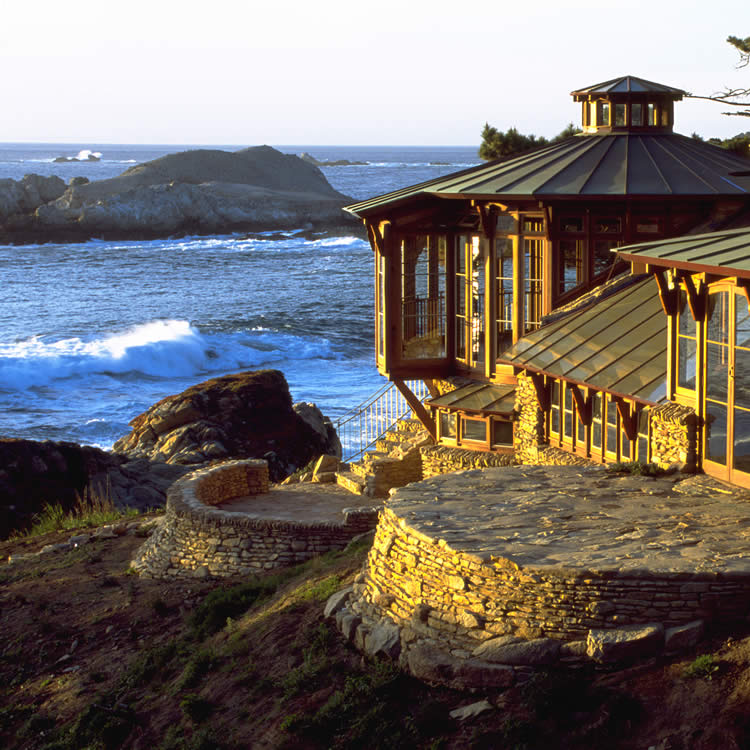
91,655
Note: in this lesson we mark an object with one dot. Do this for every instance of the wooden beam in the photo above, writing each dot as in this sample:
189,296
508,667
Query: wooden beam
375,237
431,387
744,286
667,296
628,418
417,407
696,297
542,390
488,220
583,403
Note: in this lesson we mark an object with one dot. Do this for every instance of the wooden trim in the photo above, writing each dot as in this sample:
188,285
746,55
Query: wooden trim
375,236
628,418
667,296
417,407
542,390
583,403
487,220
744,286
392,312
696,297
431,387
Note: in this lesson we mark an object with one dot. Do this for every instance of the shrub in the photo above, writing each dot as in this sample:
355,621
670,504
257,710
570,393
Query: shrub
704,667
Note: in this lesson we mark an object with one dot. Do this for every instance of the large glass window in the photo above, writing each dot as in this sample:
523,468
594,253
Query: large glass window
602,113
687,346
504,291
554,413
571,258
643,435
474,430
381,305
636,114
620,115
469,273
423,296
533,276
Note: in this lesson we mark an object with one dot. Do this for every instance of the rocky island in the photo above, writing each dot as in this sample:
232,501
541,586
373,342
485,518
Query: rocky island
203,191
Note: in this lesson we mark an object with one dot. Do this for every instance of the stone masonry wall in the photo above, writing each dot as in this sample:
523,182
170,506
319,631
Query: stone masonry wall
442,459
674,436
460,600
198,539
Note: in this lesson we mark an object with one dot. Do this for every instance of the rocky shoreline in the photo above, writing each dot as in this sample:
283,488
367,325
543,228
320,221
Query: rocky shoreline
244,415
204,191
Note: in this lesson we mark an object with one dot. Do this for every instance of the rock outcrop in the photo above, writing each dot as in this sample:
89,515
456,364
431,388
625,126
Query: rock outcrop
246,415
34,474
200,191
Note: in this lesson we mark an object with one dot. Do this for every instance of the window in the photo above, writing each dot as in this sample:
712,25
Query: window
636,114
602,113
554,413
533,259
474,430
502,432
687,346
571,258
469,300
423,296
447,425
568,414
643,441
647,225
504,291
620,115
611,428
381,305
652,113
571,224
596,422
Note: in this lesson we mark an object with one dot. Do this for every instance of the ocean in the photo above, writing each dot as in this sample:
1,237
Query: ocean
93,333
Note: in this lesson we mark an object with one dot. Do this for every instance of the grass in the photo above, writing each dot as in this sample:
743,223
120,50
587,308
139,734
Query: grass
91,509
703,667
634,467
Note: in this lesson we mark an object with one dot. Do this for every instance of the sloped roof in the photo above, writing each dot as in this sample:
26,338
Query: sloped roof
726,252
612,164
629,85
480,397
616,345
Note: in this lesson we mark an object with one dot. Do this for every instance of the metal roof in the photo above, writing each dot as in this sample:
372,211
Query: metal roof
726,252
480,397
616,345
612,165
629,85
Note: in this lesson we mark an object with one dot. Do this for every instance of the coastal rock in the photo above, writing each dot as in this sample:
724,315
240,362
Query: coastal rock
199,191
25,195
33,474
248,415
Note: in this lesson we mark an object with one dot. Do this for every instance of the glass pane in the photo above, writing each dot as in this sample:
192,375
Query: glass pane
716,433
741,459
571,264
502,432
717,371
620,114
643,421
580,432
461,254
603,257
651,114
642,450
474,429
742,378
506,223
636,114
742,320
447,425
596,435
718,317
554,420
608,225
624,446
686,363
687,325
602,113
611,440
571,224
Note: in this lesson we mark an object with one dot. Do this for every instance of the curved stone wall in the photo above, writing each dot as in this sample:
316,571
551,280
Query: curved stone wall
434,601
197,538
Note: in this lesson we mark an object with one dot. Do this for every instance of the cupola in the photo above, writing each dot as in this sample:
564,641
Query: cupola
627,104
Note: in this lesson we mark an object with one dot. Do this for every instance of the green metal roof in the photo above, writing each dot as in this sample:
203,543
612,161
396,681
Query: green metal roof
612,164
617,344
726,252
629,85
479,397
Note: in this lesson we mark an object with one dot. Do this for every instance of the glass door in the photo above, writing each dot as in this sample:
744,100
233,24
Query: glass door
727,413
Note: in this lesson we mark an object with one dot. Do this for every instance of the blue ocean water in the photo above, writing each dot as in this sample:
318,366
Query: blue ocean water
92,334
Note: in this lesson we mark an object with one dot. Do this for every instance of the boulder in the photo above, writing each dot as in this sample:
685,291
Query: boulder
684,636
510,650
625,644
246,415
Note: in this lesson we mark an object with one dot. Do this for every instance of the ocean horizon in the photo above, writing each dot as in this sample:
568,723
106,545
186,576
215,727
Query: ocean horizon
93,333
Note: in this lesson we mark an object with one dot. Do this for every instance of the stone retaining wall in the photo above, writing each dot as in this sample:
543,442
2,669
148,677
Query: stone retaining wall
441,459
674,436
456,619
199,539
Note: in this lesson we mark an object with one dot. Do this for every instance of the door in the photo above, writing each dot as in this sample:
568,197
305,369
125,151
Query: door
726,443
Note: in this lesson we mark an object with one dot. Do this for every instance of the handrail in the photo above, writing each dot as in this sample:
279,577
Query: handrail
361,427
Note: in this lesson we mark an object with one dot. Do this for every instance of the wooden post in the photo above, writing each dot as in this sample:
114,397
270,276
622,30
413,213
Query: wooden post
417,407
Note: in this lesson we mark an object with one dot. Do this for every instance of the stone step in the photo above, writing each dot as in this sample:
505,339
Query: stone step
359,469
409,424
371,456
349,481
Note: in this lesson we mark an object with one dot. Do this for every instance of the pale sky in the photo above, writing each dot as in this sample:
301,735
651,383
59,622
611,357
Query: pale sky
429,72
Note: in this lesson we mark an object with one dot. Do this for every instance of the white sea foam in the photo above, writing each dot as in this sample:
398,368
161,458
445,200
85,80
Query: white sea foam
160,349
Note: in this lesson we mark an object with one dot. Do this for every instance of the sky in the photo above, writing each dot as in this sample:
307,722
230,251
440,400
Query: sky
390,72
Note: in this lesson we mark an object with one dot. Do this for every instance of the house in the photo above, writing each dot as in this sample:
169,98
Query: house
498,286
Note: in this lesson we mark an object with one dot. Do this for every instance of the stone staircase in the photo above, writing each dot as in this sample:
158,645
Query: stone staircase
394,462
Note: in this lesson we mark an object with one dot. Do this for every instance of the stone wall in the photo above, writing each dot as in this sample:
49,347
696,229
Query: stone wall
674,436
457,619
233,479
441,459
199,539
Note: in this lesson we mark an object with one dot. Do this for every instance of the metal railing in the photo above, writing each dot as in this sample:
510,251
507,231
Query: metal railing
361,427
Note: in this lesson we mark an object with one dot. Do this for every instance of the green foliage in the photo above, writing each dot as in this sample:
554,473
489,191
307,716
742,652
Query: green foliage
634,467
704,667
196,669
497,144
315,662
